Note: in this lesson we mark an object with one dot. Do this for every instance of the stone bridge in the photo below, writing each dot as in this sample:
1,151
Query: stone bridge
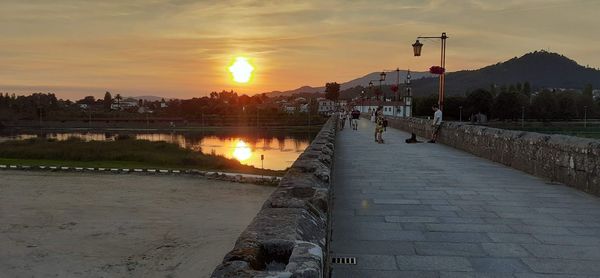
485,203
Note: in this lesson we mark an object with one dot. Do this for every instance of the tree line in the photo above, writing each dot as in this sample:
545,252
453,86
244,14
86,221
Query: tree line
218,107
513,101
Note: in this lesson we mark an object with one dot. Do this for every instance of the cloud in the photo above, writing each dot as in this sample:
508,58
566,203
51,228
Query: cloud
182,48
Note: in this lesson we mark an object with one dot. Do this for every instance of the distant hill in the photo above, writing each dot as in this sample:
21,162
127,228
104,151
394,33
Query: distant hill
391,77
541,69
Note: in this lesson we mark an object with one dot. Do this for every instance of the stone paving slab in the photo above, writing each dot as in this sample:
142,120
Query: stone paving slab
428,210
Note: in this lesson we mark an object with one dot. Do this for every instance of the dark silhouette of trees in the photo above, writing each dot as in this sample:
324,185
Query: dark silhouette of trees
479,101
332,91
107,101
118,98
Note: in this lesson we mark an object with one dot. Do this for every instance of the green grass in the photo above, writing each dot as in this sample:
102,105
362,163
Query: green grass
126,153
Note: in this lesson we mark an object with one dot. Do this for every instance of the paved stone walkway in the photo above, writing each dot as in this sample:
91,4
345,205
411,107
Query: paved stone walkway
428,210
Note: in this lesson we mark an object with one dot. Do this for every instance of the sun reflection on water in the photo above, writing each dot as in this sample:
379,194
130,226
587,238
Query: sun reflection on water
241,151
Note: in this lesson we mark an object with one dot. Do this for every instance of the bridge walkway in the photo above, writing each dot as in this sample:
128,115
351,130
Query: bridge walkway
428,210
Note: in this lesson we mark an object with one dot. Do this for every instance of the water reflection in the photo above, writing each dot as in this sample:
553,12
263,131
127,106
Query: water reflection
279,151
241,151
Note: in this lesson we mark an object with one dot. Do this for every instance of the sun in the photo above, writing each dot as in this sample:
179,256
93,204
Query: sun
241,70
242,152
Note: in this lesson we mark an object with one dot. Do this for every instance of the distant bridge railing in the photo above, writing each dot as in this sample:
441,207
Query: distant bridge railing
287,238
570,160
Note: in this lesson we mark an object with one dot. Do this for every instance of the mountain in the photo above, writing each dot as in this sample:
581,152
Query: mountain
541,69
391,77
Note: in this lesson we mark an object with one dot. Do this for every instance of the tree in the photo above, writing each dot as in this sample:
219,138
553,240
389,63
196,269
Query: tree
507,105
107,101
526,89
118,97
332,91
544,105
479,101
422,105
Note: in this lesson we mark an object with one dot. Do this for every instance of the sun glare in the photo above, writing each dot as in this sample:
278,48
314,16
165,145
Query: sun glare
241,70
242,152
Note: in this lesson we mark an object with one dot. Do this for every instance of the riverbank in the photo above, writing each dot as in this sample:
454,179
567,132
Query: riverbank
91,225
122,153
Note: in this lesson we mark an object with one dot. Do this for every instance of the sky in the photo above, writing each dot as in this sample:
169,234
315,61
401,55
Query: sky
183,48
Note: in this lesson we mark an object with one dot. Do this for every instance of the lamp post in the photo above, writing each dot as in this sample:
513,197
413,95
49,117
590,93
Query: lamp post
460,114
408,96
381,78
585,117
417,52
362,101
522,116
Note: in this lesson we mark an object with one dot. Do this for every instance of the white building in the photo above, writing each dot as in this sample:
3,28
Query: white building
390,108
326,106
289,109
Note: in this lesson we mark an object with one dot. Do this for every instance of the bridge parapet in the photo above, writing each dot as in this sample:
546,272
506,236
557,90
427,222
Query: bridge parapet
567,159
287,238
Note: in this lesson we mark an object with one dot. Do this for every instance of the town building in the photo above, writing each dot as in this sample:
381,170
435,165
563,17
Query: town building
390,108
326,106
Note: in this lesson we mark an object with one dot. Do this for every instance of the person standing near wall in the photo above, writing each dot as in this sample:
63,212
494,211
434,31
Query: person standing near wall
436,124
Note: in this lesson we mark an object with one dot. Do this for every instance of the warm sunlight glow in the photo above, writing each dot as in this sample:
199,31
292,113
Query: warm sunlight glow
242,151
241,70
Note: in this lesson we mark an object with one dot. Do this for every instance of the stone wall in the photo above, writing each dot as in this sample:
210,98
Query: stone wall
566,159
287,238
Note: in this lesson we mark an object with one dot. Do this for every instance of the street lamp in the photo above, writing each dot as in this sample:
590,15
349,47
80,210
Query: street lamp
523,116
460,114
407,96
381,78
585,117
417,46
362,101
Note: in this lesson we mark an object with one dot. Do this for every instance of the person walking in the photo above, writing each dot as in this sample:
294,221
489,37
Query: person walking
343,117
378,125
436,124
355,116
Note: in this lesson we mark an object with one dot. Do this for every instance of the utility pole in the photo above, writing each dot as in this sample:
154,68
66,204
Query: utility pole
585,117
522,116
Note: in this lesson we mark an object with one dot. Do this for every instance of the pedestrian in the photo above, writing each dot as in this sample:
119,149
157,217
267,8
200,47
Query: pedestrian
436,124
379,130
342,119
355,116
385,124
378,123
373,115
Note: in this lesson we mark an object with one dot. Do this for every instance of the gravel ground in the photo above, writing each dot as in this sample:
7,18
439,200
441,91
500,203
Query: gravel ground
103,225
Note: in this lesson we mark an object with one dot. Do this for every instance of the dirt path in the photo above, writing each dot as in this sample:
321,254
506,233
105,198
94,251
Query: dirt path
99,225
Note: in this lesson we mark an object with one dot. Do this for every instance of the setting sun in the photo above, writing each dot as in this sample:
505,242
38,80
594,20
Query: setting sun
241,70
242,151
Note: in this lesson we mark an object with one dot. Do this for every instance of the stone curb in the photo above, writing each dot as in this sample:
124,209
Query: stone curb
208,174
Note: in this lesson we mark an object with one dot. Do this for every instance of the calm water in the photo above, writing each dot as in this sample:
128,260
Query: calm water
279,150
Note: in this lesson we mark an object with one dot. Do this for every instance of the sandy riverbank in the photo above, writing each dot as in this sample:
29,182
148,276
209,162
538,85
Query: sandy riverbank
98,225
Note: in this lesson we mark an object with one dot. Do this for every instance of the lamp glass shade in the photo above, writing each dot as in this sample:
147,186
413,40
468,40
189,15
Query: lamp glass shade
417,48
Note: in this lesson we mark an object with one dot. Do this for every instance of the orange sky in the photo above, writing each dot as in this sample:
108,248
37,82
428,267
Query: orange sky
181,48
